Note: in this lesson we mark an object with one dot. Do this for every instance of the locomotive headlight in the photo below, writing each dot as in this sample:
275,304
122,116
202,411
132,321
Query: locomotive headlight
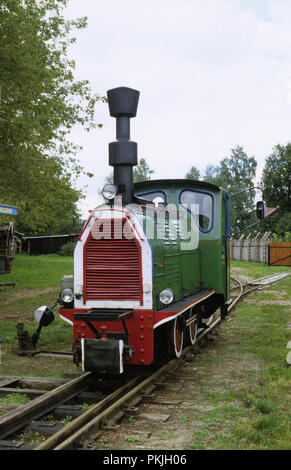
109,191
166,296
67,296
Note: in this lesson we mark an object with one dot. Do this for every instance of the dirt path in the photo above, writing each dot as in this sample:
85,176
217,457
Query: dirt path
21,305
240,275
210,403
203,387
214,391
11,296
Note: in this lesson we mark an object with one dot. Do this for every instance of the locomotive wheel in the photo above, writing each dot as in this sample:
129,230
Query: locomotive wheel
176,337
192,333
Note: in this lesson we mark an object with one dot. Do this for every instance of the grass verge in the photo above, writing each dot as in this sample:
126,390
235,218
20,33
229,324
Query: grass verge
37,280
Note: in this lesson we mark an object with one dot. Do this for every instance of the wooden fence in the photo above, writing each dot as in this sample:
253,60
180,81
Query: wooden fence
257,248
280,254
251,248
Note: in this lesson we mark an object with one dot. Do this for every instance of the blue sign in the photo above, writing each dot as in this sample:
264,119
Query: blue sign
8,210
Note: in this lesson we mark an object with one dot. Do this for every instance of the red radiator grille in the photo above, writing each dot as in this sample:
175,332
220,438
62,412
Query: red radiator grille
112,267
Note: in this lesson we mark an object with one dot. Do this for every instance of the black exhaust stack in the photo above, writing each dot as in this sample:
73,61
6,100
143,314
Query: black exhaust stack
123,103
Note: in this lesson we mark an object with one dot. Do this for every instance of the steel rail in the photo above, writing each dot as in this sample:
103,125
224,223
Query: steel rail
23,415
101,419
272,278
96,417
211,326
233,303
107,415
241,287
78,423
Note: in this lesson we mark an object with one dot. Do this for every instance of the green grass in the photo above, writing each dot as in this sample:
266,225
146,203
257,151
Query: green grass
13,398
132,438
19,398
32,438
251,410
38,272
257,270
265,406
242,397
37,280
58,336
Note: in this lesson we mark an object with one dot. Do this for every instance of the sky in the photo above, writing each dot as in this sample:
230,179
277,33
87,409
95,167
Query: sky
212,75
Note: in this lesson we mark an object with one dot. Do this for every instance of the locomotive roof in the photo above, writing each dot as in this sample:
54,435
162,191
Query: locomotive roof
173,183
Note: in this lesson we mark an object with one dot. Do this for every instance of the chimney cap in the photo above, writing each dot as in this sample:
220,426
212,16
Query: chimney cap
123,102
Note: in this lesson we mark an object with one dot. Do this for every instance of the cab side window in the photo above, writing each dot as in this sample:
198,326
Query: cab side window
201,207
155,197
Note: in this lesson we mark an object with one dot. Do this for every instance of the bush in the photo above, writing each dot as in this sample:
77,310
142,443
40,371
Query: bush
286,237
67,249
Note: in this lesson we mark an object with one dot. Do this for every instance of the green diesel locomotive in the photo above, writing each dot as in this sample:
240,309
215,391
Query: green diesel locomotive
151,265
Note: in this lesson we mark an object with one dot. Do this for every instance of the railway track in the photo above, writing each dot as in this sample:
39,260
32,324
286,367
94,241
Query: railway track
59,403
110,403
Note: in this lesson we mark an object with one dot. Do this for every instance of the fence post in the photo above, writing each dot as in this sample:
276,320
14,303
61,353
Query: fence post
266,253
241,247
248,243
256,244
254,249
231,248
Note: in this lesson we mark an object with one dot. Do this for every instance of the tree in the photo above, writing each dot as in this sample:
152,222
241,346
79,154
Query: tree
212,175
52,207
276,181
276,178
142,172
193,174
234,174
40,103
238,173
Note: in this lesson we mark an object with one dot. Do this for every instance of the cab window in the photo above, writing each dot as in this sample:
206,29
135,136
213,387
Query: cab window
200,205
155,197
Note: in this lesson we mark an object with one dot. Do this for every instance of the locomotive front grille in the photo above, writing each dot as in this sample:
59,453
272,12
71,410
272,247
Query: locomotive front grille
112,266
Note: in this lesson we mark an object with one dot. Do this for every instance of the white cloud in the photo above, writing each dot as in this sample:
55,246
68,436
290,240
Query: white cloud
280,11
212,74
